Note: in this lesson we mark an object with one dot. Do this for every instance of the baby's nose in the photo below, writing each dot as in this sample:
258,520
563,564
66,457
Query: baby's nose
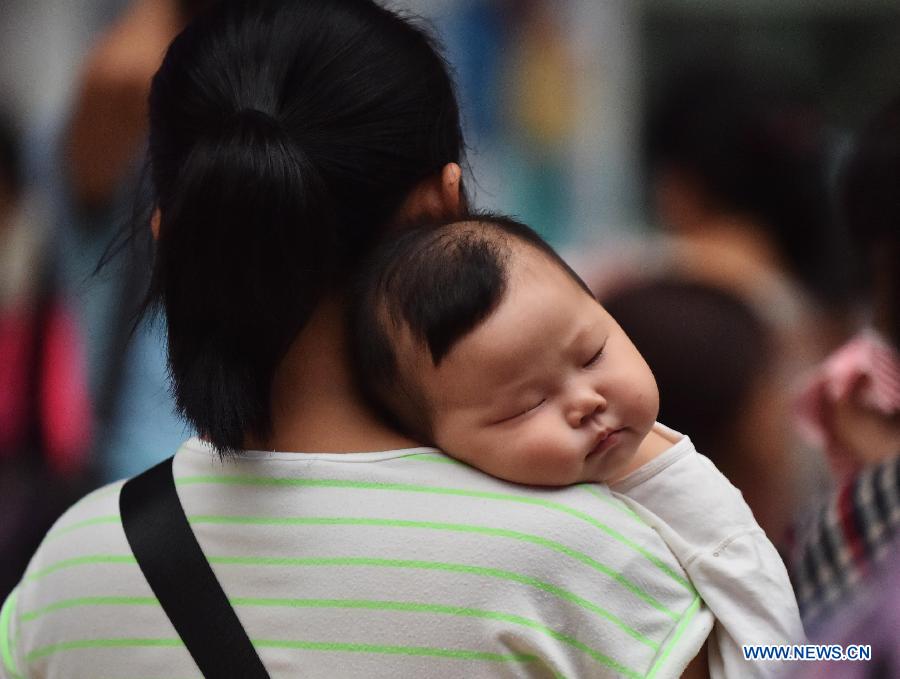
586,408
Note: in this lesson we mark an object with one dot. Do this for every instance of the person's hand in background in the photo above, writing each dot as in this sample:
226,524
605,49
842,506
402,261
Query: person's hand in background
867,434
850,406
109,120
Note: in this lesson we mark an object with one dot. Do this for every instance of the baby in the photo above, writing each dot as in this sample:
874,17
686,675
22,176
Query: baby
477,337
492,349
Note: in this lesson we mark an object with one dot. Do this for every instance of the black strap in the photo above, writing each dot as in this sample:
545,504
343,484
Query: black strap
180,576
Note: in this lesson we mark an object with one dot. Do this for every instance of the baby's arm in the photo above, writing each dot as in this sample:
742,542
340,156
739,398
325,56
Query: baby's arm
653,445
735,568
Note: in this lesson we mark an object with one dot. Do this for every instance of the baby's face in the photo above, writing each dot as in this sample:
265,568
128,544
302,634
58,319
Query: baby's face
548,390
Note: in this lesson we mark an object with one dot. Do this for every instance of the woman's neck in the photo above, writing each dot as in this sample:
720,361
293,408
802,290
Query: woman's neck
316,406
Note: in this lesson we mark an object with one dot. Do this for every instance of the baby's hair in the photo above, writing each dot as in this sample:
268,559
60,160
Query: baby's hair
430,287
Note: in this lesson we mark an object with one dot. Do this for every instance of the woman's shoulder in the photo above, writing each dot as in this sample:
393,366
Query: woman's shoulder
92,523
416,488
83,552
419,488
86,533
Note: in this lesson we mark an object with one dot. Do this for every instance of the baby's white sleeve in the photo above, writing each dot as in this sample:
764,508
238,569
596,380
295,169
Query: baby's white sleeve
733,565
745,585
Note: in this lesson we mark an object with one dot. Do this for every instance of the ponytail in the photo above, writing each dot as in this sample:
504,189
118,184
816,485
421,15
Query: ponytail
284,136
246,194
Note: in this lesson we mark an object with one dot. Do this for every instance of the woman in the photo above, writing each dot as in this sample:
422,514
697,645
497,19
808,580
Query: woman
285,139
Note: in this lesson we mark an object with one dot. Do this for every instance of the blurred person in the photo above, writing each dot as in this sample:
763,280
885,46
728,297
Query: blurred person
846,541
108,125
44,410
738,170
852,403
737,174
872,618
851,407
286,139
712,357
103,142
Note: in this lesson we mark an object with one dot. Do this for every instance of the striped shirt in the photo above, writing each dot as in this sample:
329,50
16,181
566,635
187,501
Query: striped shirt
846,539
392,564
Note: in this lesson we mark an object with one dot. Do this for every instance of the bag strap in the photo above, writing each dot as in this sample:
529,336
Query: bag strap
173,563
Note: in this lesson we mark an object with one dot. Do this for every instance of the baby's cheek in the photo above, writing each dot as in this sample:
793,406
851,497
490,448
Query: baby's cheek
461,442
551,452
644,396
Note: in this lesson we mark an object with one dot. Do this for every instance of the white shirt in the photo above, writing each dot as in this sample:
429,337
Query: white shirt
731,562
390,564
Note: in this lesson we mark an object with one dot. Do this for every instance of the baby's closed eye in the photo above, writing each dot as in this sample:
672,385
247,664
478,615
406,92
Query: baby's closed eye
592,361
524,410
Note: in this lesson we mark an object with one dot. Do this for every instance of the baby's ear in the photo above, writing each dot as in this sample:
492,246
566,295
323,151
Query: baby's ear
451,190
435,198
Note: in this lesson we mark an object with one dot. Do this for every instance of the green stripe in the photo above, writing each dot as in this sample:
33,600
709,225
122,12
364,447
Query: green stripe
397,650
443,610
434,457
6,651
359,604
613,502
97,494
90,601
44,651
431,525
455,568
393,523
365,561
679,631
438,490
79,561
332,483
59,532
102,492
305,645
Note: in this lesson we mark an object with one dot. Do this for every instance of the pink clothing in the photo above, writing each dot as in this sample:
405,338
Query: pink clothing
54,384
866,364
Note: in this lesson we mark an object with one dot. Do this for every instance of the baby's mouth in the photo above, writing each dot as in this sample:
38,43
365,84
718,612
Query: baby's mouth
606,440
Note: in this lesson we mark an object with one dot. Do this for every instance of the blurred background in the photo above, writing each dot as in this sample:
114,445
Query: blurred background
684,155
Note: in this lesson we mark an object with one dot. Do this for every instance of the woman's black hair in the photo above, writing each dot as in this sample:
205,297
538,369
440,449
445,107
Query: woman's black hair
284,136
435,283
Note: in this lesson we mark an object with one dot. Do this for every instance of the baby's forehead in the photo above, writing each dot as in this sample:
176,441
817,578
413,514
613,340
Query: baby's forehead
525,258
527,261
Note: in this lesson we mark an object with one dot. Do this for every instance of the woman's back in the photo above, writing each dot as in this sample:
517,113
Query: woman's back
399,563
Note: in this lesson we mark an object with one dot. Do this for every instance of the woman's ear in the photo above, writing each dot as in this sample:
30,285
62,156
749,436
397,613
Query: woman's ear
437,197
154,223
452,196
